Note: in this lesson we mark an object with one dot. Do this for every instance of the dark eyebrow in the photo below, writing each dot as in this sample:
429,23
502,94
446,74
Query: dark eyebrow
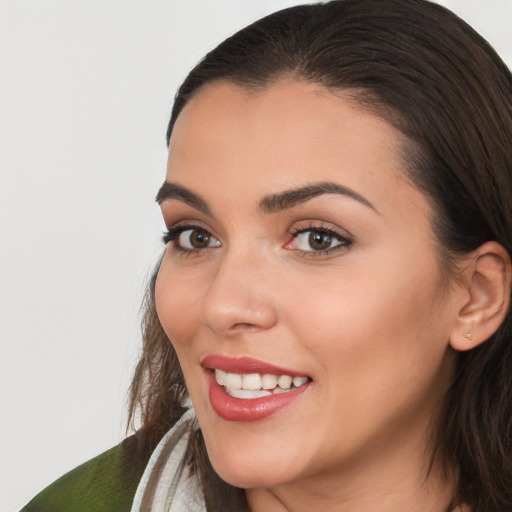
173,191
269,204
283,200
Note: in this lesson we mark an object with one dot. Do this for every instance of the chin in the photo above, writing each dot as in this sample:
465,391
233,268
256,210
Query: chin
249,476
256,467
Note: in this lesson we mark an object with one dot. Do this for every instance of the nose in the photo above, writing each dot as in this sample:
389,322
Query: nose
240,297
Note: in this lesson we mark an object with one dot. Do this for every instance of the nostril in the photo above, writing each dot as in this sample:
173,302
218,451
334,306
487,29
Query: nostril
244,326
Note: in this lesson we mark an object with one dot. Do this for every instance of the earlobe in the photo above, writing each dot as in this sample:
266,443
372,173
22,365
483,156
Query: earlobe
488,281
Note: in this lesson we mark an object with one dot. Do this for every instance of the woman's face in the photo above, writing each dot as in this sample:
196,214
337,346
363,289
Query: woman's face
299,249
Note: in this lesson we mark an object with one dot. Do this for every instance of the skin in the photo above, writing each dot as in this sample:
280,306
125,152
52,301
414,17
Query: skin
370,323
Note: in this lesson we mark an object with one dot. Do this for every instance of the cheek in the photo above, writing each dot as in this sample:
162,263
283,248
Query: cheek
379,347
177,303
372,323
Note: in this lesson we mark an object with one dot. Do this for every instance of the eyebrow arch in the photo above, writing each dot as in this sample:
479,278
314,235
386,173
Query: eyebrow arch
173,191
269,204
290,198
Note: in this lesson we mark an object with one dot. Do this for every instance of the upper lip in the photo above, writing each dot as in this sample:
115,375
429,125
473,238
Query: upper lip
245,365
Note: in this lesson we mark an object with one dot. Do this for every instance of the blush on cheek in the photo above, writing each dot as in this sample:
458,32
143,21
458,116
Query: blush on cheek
176,307
166,303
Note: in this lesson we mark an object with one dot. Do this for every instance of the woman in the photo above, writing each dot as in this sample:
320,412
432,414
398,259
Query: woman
336,281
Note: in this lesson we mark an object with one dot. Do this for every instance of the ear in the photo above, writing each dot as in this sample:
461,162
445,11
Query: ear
488,280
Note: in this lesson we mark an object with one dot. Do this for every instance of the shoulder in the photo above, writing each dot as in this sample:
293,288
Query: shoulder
106,483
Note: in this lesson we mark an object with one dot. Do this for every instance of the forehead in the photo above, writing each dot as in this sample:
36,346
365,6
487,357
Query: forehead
287,110
289,134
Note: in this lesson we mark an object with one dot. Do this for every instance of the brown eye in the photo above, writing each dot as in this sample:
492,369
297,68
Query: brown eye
193,239
199,239
319,241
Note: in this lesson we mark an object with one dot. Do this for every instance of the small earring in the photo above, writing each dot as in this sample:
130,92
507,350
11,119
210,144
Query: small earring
468,336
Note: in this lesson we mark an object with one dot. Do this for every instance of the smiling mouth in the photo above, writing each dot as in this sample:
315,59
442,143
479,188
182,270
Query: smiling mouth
255,385
243,389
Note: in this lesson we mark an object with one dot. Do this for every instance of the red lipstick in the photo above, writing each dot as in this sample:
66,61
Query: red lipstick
246,410
245,365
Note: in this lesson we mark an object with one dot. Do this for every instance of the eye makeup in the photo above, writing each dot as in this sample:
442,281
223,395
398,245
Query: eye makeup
190,238
308,241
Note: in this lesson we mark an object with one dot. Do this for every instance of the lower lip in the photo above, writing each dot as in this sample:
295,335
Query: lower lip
239,409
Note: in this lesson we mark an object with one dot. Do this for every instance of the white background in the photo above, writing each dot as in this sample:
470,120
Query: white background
86,88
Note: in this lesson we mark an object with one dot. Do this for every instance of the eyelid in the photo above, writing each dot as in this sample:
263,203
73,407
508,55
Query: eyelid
345,239
174,231
187,223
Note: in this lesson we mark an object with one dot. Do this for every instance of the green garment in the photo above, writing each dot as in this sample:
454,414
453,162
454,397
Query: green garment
106,483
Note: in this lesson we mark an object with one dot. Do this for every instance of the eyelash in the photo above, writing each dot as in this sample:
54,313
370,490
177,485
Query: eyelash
173,233
344,242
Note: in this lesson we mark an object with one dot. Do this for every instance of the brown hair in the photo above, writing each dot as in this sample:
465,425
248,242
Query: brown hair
431,75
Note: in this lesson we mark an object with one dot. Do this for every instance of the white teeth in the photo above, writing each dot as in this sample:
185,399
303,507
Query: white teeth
247,393
298,381
284,381
251,381
220,376
269,381
255,385
233,381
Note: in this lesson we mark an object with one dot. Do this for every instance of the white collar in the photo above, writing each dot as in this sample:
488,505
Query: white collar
167,485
